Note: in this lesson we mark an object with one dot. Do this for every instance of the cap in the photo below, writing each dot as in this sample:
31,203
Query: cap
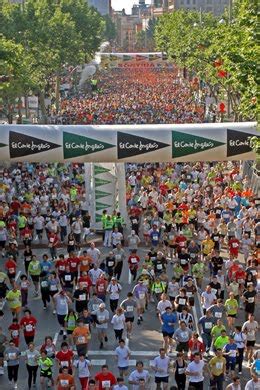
102,305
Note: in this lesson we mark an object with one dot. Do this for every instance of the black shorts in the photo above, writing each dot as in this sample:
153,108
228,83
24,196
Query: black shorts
182,347
35,278
166,334
52,293
250,343
1,355
2,244
232,315
39,231
46,374
61,319
129,319
164,379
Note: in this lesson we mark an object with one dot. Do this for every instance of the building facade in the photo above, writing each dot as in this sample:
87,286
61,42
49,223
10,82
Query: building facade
217,7
103,6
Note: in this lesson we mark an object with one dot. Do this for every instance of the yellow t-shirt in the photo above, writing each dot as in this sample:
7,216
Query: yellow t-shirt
13,298
217,365
231,306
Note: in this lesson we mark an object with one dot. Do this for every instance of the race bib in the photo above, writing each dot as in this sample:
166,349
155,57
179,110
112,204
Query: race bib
133,260
82,297
51,239
11,270
240,281
218,314
110,263
251,300
67,278
73,265
118,257
64,382
219,365
182,301
208,325
183,261
141,295
155,238
62,268
15,333
157,290
181,370
105,384
12,355
129,308
53,287
28,328
44,283
64,364
235,245
81,339
159,266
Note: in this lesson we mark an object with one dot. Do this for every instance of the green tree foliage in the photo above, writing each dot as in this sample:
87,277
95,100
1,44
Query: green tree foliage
221,52
110,28
53,34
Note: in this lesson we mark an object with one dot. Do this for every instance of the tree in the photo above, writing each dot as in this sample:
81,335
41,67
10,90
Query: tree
110,28
221,54
54,35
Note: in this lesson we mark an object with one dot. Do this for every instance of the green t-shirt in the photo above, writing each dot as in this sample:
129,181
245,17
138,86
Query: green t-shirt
216,330
13,298
220,342
231,306
34,268
71,321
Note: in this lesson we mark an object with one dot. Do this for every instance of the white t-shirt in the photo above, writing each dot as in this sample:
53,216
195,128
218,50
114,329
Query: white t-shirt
162,365
83,368
196,367
122,355
118,321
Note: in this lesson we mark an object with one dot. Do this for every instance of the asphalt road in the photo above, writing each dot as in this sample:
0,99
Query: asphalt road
144,344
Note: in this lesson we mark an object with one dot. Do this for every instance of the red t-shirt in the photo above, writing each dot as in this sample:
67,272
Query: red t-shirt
61,264
133,261
86,282
105,380
73,262
14,329
65,358
28,325
10,266
101,286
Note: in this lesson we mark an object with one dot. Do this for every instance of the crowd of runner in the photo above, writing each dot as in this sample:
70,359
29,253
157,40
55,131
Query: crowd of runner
199,225
125,96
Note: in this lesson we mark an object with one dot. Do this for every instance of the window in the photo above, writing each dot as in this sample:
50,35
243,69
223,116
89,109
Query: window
188,2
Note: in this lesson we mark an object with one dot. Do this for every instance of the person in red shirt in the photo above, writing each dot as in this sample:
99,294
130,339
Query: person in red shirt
195,345
10,266
14,330
60,265
233,270
53,241
106,380
181,242
28,324
101,287
233,247
240,277
15,206
65,357
133,261
74,263
65,381
85,282
27,236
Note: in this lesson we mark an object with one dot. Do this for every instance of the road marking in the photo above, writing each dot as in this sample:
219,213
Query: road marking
98,362
129,277
132,362
133,353
55,338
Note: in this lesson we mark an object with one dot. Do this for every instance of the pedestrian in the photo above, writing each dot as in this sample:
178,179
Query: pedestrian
180,366
28,324
161,366
12,356
32,356
217,368
118,322
123,354
81,370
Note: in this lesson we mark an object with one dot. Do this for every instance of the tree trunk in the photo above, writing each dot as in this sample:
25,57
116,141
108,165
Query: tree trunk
57,94
43,108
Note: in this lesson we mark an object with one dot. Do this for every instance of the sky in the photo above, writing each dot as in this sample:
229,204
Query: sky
127,4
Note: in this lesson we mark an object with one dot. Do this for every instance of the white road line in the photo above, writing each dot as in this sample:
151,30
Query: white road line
97,362
129,277
133,353
55,338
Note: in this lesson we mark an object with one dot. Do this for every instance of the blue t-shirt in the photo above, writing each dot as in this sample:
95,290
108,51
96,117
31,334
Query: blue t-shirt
168,318
155,235
231,348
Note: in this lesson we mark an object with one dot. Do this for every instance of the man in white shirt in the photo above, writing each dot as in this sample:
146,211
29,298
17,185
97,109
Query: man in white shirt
139,376
195,372
253,384
161,365
94,253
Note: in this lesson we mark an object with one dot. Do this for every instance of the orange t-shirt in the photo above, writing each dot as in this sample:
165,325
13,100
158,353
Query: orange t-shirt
87,260
65,381
81,334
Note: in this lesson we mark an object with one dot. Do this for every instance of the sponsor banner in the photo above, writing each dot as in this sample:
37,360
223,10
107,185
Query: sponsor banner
237,143
105,187
127,143
184,144
21,145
